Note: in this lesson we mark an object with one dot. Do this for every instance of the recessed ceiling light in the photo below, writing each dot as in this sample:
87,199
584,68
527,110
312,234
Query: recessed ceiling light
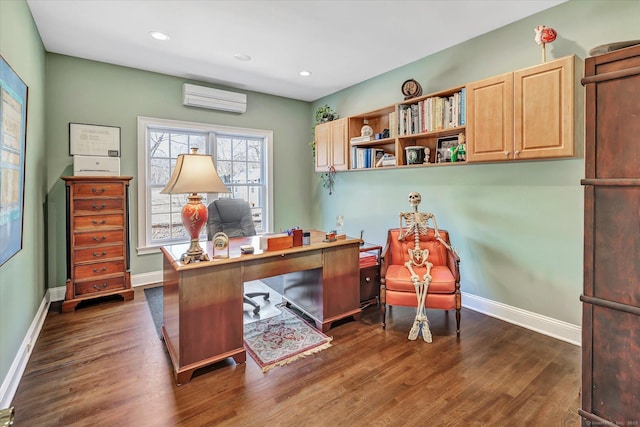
158,35
305,73
242,57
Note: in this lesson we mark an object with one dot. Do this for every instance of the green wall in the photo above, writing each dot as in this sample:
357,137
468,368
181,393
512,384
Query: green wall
518,225
22,278
83,91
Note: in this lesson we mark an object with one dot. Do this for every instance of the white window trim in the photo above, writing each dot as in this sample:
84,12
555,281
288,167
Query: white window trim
144,123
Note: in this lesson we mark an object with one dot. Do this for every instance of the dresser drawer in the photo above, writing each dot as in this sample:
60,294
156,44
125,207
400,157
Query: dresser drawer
98,269
93,286
96,206
97,237
97,189
98,253
98,221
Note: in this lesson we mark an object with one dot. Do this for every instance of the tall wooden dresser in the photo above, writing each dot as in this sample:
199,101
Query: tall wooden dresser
611,294
97,238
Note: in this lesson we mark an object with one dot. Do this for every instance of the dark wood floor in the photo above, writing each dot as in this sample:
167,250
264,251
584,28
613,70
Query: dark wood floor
104,365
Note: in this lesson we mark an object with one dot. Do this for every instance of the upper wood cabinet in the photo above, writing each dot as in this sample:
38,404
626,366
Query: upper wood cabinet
527,114
332,146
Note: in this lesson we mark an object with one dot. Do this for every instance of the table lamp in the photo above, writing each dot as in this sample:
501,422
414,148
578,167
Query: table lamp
194,173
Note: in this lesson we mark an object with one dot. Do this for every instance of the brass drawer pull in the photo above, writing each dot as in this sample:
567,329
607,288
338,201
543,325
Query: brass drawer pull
95,270
101,287
96,254
96,239
102,190
102,206
104,221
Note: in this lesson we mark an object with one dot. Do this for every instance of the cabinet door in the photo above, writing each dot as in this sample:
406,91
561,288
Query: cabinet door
490,119
331,146
323,147
339,145
543,110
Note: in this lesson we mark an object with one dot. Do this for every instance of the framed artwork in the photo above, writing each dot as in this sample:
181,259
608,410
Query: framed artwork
94,140
13,141
443,150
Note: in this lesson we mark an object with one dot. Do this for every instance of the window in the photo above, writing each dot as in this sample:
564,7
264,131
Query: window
243,161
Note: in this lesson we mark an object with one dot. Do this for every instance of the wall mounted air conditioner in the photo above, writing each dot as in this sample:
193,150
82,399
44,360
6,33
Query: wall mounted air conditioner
214,99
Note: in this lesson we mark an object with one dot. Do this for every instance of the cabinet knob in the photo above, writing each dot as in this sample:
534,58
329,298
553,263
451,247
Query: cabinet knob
104,221
96,239
95,270
100,287
95,190
506,154
97,254
367,279
517,153
102,206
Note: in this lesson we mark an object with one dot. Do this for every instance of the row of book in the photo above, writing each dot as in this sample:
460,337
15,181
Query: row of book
370,157
432,114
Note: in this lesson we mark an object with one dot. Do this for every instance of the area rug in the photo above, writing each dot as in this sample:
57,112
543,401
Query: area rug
282,339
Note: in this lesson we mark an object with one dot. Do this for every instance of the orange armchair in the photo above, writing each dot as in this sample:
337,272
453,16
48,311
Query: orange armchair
397,289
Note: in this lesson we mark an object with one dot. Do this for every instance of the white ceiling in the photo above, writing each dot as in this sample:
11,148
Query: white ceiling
341,42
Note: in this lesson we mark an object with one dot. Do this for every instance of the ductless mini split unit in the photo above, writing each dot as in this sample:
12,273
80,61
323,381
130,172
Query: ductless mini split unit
213,99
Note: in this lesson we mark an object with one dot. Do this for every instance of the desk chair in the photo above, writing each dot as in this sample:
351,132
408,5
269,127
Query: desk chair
233,217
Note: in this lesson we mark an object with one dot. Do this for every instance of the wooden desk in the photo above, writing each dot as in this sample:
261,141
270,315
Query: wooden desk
202,314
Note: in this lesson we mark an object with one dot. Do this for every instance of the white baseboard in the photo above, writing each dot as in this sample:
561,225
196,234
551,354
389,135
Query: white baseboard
12,380
536,322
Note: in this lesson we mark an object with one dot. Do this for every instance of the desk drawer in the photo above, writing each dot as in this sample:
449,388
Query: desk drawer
281,264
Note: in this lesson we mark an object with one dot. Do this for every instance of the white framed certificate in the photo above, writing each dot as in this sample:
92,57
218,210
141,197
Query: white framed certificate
94,140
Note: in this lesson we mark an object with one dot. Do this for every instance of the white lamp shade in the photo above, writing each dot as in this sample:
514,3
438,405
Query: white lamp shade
194,173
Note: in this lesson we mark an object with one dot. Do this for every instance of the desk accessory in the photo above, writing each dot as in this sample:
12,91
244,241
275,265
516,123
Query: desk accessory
246,249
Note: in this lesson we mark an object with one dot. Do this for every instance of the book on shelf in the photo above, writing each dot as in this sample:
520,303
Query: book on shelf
387,160
357,139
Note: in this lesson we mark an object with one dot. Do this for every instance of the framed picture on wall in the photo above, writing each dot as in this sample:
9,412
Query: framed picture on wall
13,129
443,149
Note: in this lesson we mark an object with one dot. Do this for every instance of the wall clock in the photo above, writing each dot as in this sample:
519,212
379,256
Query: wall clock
411,89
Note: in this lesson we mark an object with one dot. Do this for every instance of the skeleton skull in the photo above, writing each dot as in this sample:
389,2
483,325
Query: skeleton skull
414,199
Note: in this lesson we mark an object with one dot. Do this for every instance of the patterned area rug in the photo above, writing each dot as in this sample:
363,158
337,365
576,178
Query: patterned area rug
282,339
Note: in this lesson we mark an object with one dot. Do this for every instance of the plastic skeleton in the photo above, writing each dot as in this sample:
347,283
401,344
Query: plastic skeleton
418,223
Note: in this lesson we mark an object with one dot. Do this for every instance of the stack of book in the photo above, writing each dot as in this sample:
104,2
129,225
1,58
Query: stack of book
358,139
368,259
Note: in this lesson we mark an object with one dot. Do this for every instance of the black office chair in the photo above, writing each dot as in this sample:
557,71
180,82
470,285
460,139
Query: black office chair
233,217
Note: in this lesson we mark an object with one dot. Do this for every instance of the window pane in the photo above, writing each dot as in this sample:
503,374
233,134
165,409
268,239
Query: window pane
179,144
158,144
239,149
254,173
240,193
159,171
199,142
223,148
224,171
254,151
159,202
239,173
